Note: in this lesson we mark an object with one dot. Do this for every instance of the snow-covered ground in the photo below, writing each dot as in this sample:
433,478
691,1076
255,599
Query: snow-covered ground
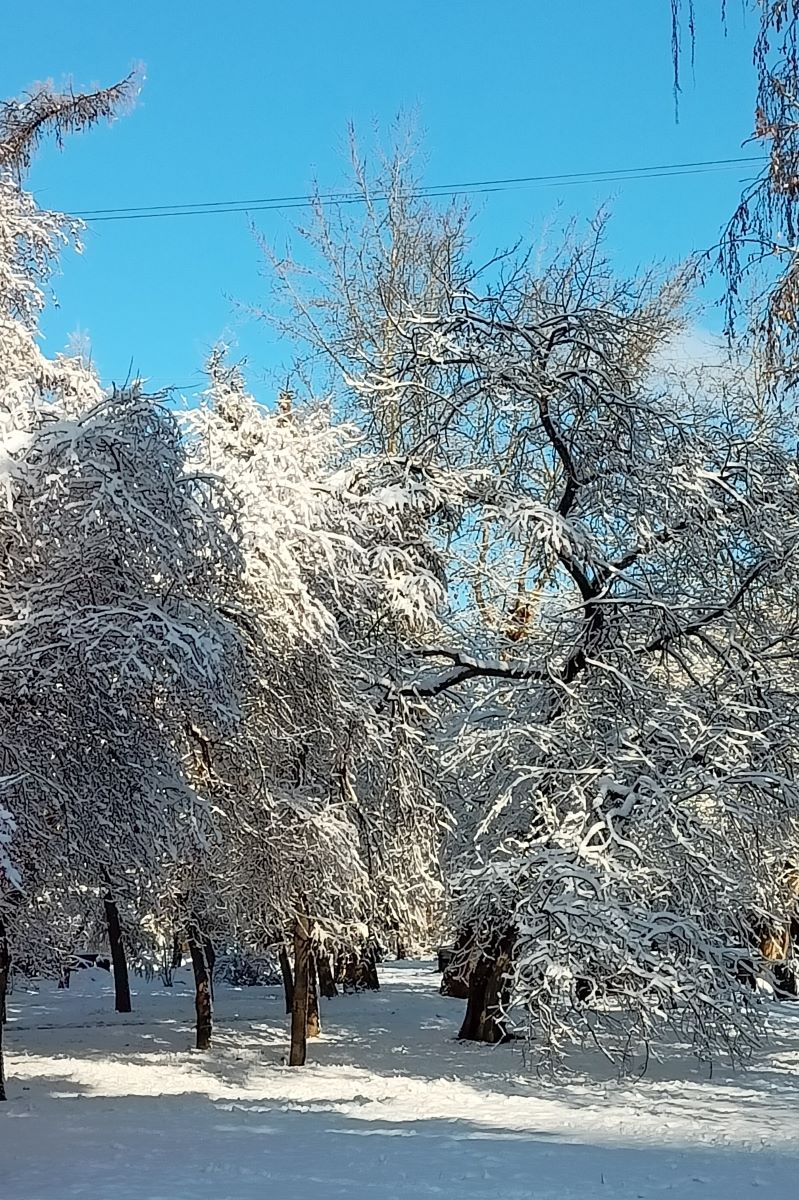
106,1107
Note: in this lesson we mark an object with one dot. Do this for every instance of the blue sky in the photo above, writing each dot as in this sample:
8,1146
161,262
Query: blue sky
253,99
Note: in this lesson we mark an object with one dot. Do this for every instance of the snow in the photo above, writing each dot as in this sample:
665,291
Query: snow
120,1108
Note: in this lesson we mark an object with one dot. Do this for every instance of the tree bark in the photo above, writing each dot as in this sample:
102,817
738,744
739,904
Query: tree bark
370,975
488,993
210,960
166,973
119,960
299,1009
177,952
288,978
5,968
776,948
327,984
203,1001
357,972
455,966
399,942
313,1023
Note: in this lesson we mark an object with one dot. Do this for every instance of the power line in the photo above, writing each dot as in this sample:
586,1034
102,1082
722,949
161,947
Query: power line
475,187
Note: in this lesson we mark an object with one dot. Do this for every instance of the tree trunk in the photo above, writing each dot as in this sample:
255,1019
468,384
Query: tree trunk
455,966
299,1008
357,972
203,1001
775,948
488,993
313,1023
327,984
177,952
370,976
166,972
119,961
63,977
5,968
399,942
288,978
210,960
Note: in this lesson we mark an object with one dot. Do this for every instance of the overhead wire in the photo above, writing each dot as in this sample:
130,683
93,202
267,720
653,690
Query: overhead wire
431,191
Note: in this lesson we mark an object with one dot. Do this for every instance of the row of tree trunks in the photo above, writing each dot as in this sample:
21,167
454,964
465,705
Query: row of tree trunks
400,948
357,972
119,960
203,985
5,969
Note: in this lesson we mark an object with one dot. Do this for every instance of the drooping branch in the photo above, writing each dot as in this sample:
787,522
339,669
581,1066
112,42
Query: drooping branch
24,123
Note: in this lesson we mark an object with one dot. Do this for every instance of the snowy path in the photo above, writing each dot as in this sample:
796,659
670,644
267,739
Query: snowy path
107,1108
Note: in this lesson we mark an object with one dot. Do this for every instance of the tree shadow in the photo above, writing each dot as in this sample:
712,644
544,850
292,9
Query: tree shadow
74,1144
385,1049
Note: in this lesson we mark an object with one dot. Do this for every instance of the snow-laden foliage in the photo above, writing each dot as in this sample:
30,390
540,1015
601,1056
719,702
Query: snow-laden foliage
528,616
614,697
633,789
322,812
113,649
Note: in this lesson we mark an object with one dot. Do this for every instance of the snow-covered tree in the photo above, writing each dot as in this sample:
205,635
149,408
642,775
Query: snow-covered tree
113,647
321,793
632,764
614,692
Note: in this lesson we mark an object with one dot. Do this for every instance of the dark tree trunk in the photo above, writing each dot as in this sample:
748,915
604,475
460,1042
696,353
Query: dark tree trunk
371,978
399,943
210,960
299,1009
5,968
357,972
313,1024
203,1001
776,949
63,977
177,952
288,978
455,967
166,972
790,978
119,961
488,992
327,984
787,985
347,972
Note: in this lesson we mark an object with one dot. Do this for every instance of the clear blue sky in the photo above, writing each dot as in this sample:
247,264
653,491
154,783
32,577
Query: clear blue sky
253,99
